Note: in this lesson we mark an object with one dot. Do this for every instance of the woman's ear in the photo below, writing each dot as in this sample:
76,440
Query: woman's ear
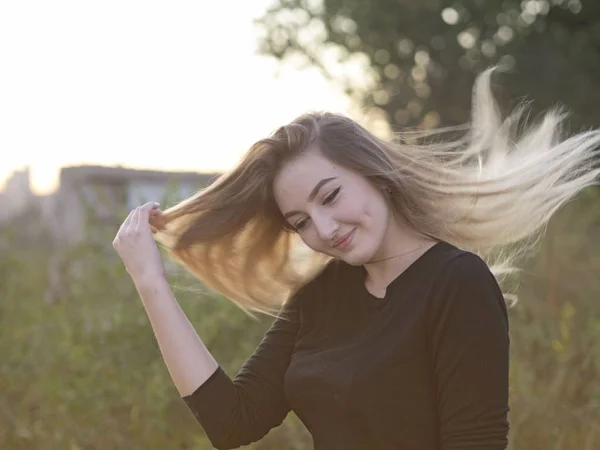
382,187
385,189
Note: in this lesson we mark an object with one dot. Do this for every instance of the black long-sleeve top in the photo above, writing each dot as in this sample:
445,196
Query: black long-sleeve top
424,368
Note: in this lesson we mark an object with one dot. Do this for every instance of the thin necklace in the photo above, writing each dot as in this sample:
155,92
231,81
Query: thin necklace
396,256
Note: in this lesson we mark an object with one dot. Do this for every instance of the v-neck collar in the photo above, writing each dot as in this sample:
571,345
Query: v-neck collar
404,275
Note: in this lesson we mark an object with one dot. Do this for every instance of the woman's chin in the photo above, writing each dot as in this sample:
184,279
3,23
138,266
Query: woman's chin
354,258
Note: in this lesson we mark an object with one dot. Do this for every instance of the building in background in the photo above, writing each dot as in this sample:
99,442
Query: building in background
16,196
92,201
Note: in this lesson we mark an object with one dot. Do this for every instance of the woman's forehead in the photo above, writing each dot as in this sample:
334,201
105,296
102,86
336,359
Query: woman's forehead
300,179
303,172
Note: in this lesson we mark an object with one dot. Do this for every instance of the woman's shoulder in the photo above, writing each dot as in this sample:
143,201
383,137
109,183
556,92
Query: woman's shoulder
458,264
449,270
463,277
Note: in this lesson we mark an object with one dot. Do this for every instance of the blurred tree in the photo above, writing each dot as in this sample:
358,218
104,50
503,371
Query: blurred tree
416,60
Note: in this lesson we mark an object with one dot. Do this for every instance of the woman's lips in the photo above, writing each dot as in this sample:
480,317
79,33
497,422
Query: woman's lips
345,242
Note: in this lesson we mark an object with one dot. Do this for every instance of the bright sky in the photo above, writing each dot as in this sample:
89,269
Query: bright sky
168,85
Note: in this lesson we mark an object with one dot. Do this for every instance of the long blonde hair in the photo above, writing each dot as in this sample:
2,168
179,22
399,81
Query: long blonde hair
491,192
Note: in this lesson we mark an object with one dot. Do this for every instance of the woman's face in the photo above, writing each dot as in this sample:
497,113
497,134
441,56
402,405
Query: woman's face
335,210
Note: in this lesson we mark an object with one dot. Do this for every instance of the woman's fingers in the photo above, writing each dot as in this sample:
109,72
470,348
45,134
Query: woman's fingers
157,220
127,220
144,213
135,219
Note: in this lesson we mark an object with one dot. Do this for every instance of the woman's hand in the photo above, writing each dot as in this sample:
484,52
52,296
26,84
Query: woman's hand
157,220
136,246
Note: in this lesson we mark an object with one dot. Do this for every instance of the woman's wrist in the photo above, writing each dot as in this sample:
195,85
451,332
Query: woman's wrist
150,283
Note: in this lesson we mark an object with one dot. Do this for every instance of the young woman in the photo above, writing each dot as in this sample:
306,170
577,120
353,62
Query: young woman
393,332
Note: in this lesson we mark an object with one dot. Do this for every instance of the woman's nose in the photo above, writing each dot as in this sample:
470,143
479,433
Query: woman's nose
327,228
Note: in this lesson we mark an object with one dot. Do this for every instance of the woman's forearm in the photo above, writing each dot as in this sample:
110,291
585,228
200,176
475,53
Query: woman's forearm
188,360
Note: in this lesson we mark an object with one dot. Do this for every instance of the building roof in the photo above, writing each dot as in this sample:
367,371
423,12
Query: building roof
88,173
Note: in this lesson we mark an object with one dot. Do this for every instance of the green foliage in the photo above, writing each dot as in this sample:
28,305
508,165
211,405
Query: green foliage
416,60
555,365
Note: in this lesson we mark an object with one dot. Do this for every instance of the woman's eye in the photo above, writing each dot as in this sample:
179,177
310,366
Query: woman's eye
331,197
300,224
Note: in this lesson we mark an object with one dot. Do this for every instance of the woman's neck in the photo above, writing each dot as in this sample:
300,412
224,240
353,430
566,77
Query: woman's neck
400,248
